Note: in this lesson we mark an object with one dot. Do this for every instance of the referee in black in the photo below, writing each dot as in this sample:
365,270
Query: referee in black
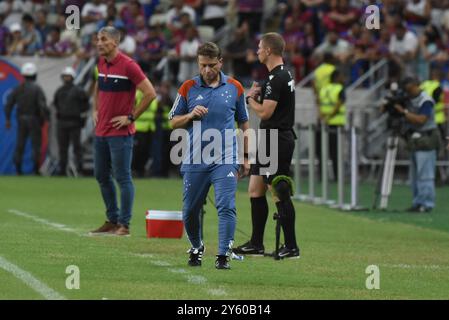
274,104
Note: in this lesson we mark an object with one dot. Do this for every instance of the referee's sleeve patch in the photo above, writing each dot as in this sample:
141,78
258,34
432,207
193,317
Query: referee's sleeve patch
268,90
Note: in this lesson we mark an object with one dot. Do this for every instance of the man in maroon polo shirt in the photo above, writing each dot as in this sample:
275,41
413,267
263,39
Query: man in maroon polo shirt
114,115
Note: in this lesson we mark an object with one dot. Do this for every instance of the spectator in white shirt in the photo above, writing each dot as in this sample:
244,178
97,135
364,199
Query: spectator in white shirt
14,10
173,15
127,43
403,48
187,55
417,12
214,13
91,14
340,48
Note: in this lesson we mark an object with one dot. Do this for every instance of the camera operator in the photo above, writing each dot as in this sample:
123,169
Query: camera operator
423,141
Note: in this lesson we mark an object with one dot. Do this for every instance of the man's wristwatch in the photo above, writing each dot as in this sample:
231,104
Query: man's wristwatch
405,112
131,118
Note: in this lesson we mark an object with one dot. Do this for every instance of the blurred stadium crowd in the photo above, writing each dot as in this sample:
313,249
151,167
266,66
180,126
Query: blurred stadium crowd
413,34
163,35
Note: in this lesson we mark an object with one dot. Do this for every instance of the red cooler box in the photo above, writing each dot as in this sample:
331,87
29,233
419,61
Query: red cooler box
164,224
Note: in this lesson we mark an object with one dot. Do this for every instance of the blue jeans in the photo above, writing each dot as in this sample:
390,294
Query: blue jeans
113,157
423,165
196,186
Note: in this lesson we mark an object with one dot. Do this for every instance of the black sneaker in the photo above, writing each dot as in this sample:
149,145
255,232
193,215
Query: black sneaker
222,262
413,209
419,209
287,253
250,249
196,255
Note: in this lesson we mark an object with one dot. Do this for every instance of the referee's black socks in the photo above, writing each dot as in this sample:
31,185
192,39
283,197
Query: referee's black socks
286,212
259,215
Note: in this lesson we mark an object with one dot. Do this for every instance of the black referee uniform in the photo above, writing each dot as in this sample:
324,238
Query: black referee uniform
279,87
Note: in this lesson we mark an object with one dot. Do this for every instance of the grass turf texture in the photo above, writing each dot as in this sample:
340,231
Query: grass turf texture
411,250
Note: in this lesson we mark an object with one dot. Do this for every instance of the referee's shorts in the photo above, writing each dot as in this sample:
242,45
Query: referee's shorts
285,148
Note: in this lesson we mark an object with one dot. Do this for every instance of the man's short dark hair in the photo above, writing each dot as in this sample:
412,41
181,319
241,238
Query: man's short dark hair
27,18
335,75
136,2
210,50
184,14
56,29
435,71
328,57
410,80
400,25
275,42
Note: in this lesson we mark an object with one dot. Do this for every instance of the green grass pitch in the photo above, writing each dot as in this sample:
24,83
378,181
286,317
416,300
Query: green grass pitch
44,222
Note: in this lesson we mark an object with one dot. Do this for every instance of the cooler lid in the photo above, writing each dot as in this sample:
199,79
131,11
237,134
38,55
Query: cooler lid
163,215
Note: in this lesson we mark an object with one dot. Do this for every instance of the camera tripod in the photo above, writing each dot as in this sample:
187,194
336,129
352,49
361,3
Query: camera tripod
277,217
277,230
385,182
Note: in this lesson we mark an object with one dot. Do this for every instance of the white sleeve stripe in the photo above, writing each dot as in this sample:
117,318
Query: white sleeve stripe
175,105
245,106
112,76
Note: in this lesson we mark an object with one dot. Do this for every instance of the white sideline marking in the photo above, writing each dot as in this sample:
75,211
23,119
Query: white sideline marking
58,226
180,270
193,279
414,266
160,263
190,278
143,255
27,278
217,292
196,279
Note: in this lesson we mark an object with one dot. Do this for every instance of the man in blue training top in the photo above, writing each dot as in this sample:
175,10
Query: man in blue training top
208,105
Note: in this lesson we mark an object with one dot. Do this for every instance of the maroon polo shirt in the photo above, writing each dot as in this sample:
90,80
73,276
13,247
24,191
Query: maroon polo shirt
117,81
